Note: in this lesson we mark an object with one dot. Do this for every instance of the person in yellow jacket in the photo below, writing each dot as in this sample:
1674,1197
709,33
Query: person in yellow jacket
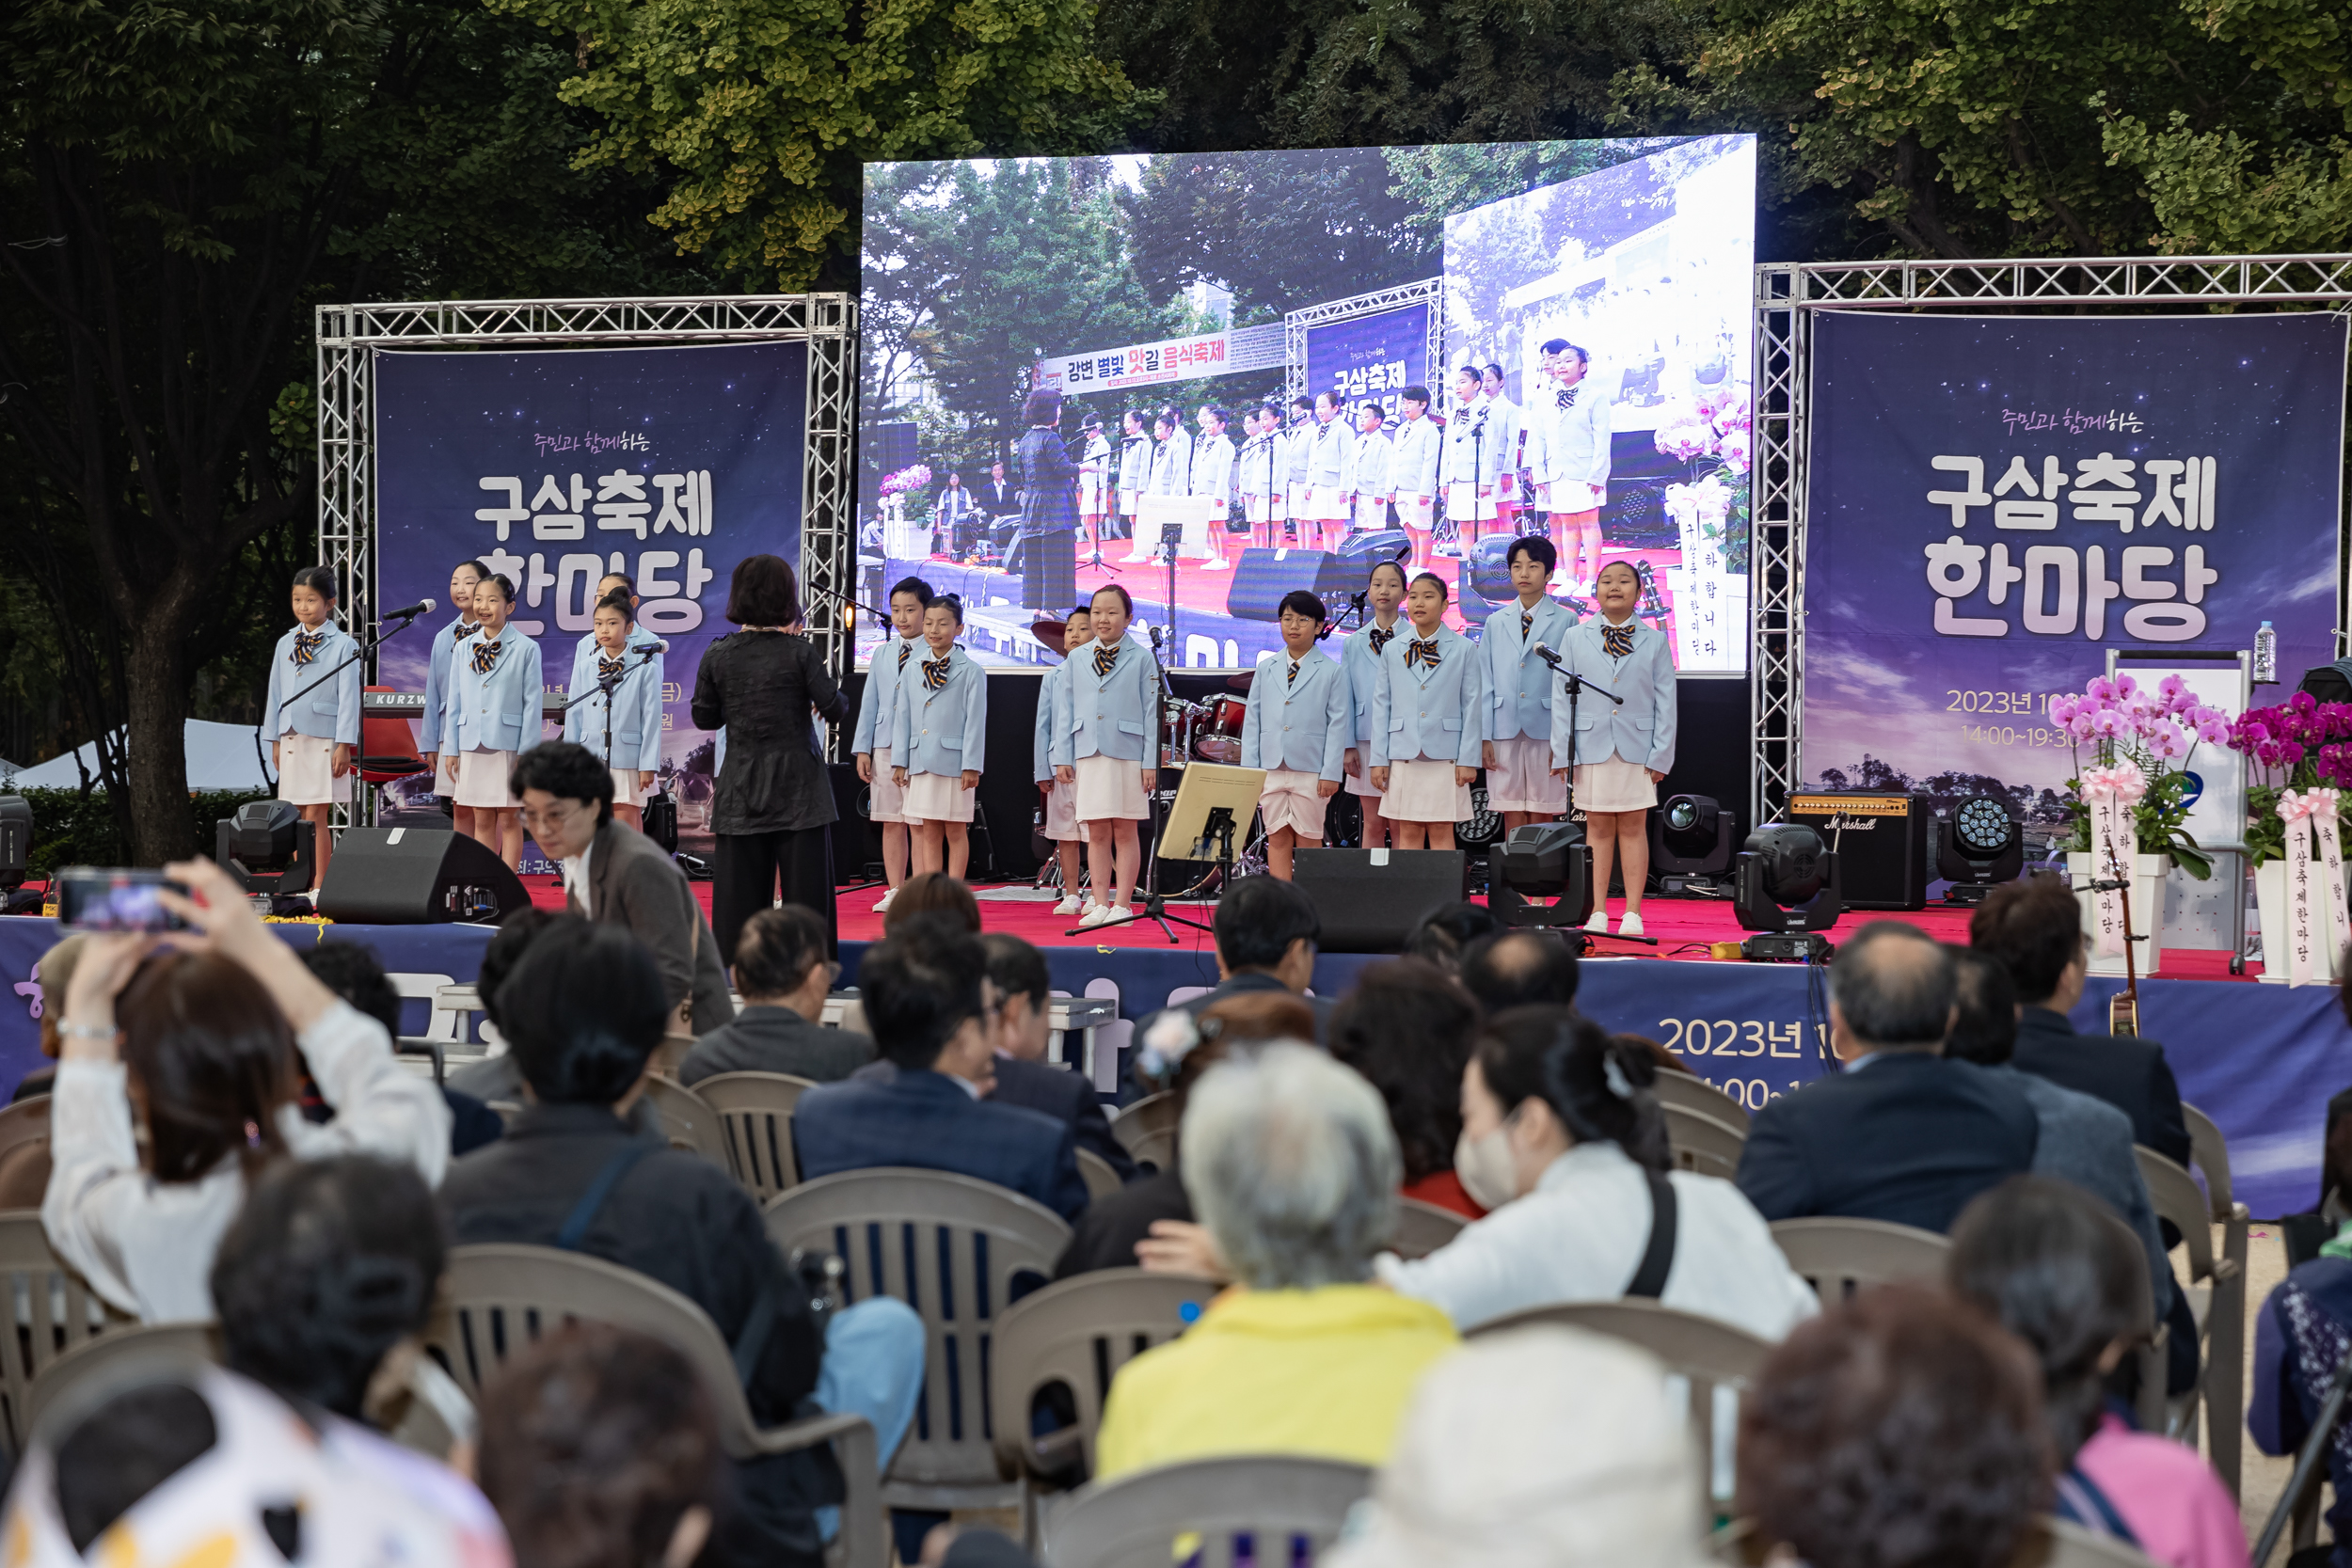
1292,1169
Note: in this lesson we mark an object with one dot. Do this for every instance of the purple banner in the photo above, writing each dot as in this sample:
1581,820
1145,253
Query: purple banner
1996,502
1371,358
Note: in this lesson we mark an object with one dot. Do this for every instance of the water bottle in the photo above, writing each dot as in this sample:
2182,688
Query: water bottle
2265,656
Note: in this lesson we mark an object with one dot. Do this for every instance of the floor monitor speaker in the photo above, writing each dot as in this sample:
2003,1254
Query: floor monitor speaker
1369,901
416,877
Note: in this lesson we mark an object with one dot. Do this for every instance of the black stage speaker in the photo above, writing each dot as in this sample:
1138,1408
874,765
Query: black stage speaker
1264,576
416,877
1369,901
1881,842
1366,549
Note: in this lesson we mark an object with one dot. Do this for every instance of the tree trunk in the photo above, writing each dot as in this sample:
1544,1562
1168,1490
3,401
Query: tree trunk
158,693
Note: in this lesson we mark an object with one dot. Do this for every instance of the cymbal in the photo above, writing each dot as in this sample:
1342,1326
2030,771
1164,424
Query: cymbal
1049,632
1239,682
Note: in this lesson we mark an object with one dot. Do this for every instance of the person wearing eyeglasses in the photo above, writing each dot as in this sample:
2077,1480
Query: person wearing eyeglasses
616,875
784,974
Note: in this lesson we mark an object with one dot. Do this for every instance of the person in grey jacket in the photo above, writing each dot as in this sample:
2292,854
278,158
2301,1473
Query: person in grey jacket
785,973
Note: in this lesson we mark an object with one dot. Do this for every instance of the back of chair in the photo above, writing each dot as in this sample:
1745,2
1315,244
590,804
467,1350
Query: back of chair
1838,1256
1099,1175
2216,1288
1702,1143
690,1122
754,1111
2209,1151
1153,1113
96,1360
2056,1544
26,1121
956,1250
2175,1196
55,1310
1079,1333
1287,1509
1422,1229
25,1153
1694,1093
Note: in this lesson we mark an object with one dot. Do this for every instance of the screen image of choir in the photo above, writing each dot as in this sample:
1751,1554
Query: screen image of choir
1944,1420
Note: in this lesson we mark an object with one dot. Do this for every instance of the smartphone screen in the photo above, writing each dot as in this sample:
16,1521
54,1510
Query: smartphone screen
123,899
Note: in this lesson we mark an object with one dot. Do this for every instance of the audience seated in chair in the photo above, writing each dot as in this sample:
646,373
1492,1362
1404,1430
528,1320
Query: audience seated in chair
1266,935
54,973
1521,969
2302,1335
1447,932
352,971
601,1450
1291,1166
201,1049
1897,1430
1408,1029
784,970
933,1006
587,1008
933,893
1562,1129
2034,927
1117,1231
1901,1133
1024,990
1546,1448
2039,1258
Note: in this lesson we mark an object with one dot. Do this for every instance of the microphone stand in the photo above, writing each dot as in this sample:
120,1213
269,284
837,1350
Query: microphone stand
1578,685
377,639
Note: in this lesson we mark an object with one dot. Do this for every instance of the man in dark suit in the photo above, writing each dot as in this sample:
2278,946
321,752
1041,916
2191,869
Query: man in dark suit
2034,927
616,876
1902,1132
1266,935
1023,1077
932,1010
785,974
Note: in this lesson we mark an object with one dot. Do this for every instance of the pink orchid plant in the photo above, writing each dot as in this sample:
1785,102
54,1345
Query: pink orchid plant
2302,743
2154,731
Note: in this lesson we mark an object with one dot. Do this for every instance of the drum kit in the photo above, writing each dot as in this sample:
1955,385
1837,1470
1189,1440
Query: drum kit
1208,730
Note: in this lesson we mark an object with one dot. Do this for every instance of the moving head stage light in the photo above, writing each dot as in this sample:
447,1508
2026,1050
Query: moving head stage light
1690,845
1980,845
1786,884
268,848
1542,860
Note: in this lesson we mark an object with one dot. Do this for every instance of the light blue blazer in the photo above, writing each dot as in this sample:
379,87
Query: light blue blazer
1303,724
332,711
436,715
636,708
1364,676
1042,746
1518,683
1422,714
500,711
943,730
1643,730
878,711
1116,715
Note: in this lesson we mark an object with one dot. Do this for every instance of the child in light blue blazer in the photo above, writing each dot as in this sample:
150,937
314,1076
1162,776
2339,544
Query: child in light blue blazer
1620,749
463,580
1296,727
1359,656
494,705
878,721
1520,783
1106,743
1062,827
1429,722
312,732
631,744
940,742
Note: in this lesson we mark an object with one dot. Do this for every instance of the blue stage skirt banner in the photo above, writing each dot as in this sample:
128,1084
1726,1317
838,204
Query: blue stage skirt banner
1996,503
554,467
1371,358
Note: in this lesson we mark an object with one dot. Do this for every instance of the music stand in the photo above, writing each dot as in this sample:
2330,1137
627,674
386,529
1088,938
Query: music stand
1215,802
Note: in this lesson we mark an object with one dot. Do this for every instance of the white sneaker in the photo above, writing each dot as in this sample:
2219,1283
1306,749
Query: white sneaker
1095,915
1599,922
1630,926
883,902
1071,905
1116,911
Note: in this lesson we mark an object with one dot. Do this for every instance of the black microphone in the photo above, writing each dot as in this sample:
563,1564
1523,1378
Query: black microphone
423,607
1545,653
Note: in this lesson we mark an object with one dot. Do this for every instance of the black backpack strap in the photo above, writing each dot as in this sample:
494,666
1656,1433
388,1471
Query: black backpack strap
583,1213
1658,1256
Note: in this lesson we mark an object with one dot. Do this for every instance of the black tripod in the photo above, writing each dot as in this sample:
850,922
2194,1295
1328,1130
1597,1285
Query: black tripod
608,685
1220,827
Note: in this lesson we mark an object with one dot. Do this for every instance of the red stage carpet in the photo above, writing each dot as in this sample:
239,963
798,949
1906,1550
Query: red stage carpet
1682,926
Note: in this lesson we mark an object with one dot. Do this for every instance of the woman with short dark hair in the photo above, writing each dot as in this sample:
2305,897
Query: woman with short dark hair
773,812
1407,1027
1049,506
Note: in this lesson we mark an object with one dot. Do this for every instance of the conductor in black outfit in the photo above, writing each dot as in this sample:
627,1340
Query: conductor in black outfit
772,812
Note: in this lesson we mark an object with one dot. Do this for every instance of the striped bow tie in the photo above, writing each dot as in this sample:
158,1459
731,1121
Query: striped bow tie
1380,638
307,646
935,674
1566,397
609,669
904,649
1421,651
1106,656
486,656
464,629
1617,642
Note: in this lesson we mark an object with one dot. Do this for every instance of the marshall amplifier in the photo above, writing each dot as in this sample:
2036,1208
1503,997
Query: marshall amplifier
1881,842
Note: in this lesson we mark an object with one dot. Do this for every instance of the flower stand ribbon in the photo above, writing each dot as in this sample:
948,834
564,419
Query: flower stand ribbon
2316,914
2111,793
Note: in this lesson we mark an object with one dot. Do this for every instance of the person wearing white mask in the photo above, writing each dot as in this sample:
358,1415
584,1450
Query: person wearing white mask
1564,1141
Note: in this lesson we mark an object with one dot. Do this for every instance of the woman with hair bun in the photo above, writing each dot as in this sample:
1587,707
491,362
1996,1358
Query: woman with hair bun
1562,1139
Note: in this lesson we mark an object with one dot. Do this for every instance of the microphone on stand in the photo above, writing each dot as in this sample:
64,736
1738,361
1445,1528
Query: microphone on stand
1544,653
423,607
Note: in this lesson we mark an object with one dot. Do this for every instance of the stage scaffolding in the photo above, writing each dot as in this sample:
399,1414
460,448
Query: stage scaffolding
1785,299
1429,290
348,335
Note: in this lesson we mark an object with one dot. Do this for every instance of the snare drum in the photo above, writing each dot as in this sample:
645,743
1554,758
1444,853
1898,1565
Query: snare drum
1216,729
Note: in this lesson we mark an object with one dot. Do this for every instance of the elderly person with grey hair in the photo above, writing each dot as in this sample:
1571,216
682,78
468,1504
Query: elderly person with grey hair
1291,1165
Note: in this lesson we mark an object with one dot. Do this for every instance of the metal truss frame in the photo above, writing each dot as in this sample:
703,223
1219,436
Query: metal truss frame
349,335
1787,297
1295,324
